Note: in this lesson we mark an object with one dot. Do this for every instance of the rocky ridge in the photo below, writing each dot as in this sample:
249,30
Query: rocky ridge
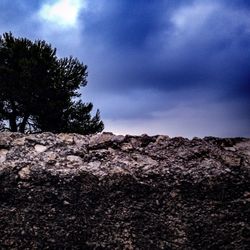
69,191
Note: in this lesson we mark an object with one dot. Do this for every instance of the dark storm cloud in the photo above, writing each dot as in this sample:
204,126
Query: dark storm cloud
216,51
156,62
184,46
124,24
237,3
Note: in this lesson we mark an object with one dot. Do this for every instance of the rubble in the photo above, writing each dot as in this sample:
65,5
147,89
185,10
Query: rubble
104,191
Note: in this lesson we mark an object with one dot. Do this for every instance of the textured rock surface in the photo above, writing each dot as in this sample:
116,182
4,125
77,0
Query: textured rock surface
69,191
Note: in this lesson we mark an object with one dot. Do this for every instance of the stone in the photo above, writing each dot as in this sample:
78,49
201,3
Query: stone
24,173
3,153
74,158
50,157
102,191
40,148
66,138
19,141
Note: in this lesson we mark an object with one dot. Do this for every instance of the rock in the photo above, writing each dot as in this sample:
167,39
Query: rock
103,191
19,141
40,148
24,173
66,138
4,142
74,158
3,153
127,147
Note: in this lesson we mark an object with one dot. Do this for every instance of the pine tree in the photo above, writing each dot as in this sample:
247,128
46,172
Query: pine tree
39,91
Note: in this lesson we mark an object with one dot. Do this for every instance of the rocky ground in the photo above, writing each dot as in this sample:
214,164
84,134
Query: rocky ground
69,191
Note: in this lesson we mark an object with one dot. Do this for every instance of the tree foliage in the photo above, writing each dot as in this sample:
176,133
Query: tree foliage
39,92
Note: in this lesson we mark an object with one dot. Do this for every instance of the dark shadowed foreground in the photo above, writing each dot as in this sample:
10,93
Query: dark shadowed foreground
69,191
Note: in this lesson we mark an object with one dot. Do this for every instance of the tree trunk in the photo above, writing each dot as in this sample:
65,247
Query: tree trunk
13,125
23,124
12,117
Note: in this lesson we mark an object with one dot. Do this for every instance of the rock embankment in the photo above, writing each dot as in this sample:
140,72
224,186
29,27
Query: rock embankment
69,191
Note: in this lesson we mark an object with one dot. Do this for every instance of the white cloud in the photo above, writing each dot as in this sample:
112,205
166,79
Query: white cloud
62,13
193,16
191,20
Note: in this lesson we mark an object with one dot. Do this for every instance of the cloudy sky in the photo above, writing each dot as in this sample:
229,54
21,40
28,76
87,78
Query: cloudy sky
175,67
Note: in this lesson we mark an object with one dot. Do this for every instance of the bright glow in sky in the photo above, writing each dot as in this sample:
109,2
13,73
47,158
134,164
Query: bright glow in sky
193,15
63,13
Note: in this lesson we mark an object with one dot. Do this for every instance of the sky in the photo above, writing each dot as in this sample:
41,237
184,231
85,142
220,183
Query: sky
173,67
